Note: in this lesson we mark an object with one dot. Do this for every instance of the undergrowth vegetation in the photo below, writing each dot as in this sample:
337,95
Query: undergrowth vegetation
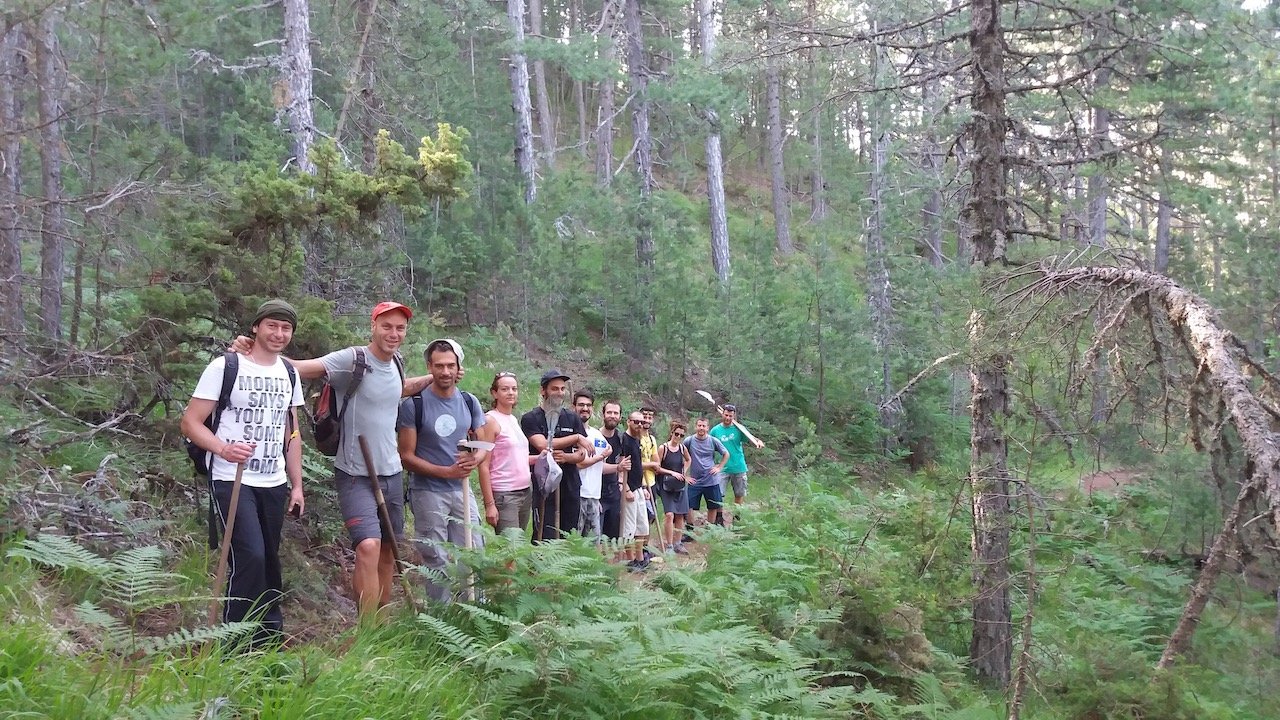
834,596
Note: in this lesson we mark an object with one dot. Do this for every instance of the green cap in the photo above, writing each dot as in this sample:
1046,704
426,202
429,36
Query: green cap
276,309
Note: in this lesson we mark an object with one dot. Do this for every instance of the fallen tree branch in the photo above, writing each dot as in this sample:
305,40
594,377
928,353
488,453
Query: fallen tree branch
896,397
1220,360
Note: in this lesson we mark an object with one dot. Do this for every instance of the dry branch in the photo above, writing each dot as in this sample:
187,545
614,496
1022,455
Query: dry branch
1220,359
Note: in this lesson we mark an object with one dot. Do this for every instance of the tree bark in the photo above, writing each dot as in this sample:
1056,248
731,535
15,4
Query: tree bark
817,180
638,69
777,167
520,102
52,78
879,290
605,101
12,317
297,79
1164,215
715,163
986,217
546,123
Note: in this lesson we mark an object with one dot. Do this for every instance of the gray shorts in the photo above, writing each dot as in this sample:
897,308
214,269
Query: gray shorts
360,508
738,481
514,508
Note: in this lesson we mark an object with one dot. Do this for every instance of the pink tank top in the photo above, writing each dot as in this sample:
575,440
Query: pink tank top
509,463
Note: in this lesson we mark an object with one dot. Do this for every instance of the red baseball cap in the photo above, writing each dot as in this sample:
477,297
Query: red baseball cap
387,306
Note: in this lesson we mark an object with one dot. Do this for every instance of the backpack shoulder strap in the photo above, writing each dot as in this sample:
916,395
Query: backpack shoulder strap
358,372
288,411
417,412
230,369
398,359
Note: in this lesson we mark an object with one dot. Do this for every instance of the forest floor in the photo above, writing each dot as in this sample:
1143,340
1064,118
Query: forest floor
1109,481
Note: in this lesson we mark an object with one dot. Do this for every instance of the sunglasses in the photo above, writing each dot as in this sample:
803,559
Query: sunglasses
677,434
504,374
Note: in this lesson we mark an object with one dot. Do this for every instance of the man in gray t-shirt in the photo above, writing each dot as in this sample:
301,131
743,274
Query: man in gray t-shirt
429,428
704,470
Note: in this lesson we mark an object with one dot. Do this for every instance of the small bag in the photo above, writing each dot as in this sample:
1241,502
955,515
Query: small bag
670,484
547,474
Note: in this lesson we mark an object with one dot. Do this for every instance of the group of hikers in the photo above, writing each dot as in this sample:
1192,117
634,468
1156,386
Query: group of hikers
551,468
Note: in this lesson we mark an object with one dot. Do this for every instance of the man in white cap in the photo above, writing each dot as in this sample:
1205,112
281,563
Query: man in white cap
430,428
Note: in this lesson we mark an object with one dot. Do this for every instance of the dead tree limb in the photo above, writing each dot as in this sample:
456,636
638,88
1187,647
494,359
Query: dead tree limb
896,397
1221,361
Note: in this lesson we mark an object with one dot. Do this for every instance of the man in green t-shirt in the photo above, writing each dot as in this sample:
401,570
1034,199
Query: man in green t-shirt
735,472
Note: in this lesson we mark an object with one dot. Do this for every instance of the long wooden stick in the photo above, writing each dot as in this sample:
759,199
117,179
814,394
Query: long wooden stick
384,517
466,533
220,577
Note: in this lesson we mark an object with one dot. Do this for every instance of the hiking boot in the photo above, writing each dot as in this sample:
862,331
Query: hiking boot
686,538
680,550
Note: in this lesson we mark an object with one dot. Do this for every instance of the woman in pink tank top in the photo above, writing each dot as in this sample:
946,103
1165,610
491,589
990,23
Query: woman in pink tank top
504,477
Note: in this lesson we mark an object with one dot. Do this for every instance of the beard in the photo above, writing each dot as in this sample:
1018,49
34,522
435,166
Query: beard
552,404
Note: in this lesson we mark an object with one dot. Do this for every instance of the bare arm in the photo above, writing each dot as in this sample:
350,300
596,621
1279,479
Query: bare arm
199,410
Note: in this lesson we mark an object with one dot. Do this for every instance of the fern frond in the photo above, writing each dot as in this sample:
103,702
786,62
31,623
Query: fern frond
60,552
116,635
175,711
185,638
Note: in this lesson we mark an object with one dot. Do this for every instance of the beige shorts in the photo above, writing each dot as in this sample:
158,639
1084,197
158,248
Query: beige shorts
635,518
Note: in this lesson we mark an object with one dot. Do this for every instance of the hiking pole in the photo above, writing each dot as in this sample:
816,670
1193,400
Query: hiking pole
466,532
220,576
384,517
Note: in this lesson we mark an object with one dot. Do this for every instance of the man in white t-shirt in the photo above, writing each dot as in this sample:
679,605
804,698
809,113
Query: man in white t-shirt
590,469
257,426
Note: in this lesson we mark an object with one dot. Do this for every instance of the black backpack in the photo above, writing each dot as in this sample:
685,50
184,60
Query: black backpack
231,368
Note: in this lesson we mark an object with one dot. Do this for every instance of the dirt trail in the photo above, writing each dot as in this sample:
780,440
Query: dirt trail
1108,481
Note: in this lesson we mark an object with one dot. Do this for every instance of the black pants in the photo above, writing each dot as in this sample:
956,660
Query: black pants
254,584
544,510
611,516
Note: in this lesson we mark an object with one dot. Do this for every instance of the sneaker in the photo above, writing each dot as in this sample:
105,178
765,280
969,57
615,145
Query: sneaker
634,567
680,549
686,538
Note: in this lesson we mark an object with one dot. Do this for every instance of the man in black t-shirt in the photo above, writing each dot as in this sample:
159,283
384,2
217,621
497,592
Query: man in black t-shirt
569,445
610,492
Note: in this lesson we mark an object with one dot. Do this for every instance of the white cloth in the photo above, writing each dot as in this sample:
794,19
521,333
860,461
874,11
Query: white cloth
591,476
256,412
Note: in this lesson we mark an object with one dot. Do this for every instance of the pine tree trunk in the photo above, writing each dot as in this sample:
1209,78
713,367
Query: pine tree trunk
605,102
986,213
817,180
1164,216
297,78
879,291
638,69
715,163
520,102
546,123
52,79
12,317
930,245
777,168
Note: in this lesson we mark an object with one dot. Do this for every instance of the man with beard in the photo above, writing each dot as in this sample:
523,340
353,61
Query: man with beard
616,466
256,425
429,428
591,469
553,428
635,513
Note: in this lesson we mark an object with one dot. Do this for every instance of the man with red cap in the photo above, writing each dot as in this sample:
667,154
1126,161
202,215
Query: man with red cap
371,412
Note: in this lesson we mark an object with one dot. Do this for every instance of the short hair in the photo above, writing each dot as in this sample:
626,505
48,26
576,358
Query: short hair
648,409
611,401
704,419
586,394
